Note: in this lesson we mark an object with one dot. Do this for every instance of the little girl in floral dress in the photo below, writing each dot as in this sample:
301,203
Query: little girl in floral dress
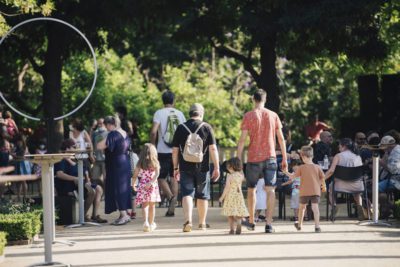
147,169
234,206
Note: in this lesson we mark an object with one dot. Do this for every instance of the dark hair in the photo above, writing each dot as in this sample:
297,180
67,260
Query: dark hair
234,163
122,110
349,144
168,98
78,125
110,120
260,95
67,143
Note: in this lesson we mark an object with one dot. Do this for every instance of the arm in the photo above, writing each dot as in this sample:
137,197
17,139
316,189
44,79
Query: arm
154,178
63,176
87,139
282,144
175,162
134,177
215,159
331,170
102,144
288,182
226,188
241,143
153,132
6,169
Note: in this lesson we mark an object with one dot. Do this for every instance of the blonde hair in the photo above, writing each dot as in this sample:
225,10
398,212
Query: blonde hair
148,157
307,151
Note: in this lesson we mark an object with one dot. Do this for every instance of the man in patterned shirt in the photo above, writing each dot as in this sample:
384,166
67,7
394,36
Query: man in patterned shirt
263,126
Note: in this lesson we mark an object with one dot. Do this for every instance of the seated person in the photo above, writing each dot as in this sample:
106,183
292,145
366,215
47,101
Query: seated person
390,163
66,181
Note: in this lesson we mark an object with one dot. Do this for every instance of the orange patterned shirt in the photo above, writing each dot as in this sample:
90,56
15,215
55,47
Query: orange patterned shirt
261,125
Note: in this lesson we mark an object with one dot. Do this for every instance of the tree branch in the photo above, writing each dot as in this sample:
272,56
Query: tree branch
26,53
21,76
230,52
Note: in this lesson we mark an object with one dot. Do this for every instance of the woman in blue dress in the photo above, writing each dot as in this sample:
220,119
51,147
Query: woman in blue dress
118,170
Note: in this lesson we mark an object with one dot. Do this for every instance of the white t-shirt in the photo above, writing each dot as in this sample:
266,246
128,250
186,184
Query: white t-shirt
161,117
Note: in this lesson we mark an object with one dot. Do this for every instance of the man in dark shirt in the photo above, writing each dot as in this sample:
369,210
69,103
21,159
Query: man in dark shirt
323,147
193,176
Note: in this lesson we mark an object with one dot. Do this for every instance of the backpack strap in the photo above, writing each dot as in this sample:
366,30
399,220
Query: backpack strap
187,128
198,128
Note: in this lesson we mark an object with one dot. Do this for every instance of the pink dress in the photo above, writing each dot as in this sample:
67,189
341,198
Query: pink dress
152,194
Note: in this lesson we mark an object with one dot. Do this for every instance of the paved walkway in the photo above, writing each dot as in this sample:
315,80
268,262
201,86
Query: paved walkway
343,243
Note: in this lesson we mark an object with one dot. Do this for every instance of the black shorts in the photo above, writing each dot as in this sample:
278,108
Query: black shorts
166,165
195,184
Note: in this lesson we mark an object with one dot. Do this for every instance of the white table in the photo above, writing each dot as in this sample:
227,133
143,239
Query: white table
46,161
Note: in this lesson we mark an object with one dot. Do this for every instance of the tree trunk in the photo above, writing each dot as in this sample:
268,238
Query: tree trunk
52,101
268,77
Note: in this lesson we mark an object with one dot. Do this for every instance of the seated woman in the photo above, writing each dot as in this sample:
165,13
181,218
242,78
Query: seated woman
347,158
66,180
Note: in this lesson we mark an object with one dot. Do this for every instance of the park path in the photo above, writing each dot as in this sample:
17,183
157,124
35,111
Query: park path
343,243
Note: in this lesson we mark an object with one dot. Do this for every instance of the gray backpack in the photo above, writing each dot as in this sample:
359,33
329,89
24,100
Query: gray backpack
193,150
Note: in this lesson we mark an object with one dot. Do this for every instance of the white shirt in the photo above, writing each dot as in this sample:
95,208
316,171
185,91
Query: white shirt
161,117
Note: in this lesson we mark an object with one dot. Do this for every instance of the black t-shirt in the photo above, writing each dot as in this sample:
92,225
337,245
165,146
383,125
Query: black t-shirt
180,136
320,150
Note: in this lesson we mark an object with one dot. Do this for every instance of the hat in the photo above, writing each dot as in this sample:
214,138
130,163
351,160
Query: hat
387,140
196,107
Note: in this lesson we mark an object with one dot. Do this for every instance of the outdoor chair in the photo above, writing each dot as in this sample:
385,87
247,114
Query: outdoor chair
350,174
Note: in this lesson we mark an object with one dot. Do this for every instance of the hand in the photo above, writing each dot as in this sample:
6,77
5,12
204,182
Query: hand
76,180
148,186
134,188
323,188
284,166
215,174
221,199
177,175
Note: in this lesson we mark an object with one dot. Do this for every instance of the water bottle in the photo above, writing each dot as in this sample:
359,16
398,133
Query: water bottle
326,162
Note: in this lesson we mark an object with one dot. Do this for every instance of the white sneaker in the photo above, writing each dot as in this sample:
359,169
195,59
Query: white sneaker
153,226
146,227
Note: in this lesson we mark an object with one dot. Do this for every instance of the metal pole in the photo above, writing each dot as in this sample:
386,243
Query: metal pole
80,193
47,212
375,192
51,177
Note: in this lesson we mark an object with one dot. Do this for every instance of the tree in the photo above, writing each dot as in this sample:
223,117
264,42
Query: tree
256,32
49,45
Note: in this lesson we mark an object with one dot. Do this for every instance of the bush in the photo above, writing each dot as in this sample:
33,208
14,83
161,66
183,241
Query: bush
3,242
396,210
23,226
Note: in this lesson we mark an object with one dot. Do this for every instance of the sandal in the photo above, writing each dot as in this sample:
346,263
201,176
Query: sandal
98,219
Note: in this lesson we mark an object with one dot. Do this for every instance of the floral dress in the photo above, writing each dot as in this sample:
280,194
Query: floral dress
151,194
234,201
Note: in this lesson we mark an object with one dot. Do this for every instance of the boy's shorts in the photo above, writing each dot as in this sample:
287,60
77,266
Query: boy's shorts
264,169
305,199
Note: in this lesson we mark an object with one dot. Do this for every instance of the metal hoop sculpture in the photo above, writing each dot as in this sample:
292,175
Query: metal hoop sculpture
94,64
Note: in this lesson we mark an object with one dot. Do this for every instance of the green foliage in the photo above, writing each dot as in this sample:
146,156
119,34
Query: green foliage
396,210
20,221
3,242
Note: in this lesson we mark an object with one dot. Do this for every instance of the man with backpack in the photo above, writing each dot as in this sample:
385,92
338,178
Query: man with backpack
193,144
165,122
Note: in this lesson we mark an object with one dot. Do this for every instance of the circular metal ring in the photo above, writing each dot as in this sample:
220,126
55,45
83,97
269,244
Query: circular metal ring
94,64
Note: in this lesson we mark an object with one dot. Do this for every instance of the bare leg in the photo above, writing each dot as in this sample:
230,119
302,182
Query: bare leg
152,212
302,209
145,212
187,204
97,199
315,210
89,198
357,199
202,207
270,203
163,184
251,203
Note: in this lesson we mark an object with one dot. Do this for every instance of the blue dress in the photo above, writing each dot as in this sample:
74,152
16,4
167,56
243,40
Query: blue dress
118,173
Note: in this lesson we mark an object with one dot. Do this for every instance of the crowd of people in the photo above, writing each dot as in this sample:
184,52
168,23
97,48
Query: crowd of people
179,155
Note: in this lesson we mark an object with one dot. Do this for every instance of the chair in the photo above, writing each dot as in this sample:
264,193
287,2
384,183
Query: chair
350,174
